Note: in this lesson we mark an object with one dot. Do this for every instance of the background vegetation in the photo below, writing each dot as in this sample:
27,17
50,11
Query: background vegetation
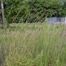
33,10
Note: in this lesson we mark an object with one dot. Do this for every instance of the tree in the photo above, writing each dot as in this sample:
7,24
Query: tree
33,10
2,11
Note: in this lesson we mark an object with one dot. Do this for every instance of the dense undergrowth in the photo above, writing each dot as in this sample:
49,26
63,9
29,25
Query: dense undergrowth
33,45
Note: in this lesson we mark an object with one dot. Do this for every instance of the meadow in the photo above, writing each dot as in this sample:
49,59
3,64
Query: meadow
36,44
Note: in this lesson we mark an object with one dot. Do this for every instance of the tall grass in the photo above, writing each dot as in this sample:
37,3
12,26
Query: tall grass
33,45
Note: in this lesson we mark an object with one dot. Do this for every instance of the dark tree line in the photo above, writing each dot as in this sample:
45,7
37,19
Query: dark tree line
34,10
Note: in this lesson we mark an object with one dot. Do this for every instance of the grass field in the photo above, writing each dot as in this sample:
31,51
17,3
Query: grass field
36,44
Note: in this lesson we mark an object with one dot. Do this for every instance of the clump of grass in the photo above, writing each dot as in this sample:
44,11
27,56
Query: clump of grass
34,45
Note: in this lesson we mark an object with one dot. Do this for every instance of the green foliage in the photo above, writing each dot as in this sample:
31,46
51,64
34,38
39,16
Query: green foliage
33,10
